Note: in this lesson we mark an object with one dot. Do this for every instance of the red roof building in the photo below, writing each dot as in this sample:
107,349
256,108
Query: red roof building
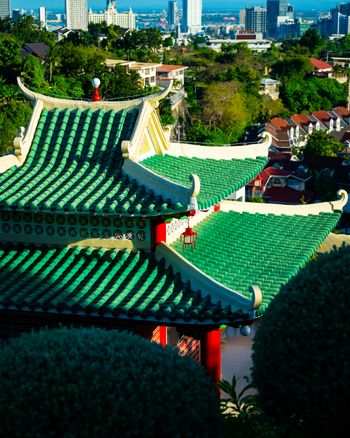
321,68
280,185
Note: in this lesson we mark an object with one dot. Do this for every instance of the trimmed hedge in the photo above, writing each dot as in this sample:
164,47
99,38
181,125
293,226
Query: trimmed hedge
98,383
301,351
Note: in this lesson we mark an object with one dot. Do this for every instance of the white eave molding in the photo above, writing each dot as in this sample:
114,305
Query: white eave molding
161,186
288,210
53,102
188,150
206,285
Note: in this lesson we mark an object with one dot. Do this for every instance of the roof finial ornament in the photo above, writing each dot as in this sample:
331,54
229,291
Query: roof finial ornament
96,83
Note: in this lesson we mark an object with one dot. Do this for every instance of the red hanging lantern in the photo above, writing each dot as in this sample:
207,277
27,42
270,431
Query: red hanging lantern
189,237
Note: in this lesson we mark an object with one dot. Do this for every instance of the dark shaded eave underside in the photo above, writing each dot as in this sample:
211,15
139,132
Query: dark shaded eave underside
213,324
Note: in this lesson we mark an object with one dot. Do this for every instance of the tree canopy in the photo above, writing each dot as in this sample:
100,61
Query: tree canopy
301,353
322,144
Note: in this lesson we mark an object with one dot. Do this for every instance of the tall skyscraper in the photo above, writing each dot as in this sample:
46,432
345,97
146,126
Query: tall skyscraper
77,14
255,19
42,16
192,16
5,9
275,8
283,8
172,14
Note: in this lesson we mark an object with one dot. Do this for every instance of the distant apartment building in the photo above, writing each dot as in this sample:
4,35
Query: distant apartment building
110,15
256,19
42,16
173,15
77,14
192,16
5,8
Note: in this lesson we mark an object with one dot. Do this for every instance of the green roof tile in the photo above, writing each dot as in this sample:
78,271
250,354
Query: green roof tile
219,178
74,166
240,250
101,282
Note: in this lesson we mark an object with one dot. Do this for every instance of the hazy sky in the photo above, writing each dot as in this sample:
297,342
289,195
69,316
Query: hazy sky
140,4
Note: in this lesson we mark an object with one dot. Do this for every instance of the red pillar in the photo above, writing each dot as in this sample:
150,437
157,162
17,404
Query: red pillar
162,335
159,234
211,353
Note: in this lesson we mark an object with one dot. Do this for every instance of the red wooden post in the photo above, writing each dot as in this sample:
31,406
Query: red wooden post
211,353
163,335
159,232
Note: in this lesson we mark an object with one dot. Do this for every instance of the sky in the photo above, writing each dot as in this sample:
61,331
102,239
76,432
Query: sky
140,4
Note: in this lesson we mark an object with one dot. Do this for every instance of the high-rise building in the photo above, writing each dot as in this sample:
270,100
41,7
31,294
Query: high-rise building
42,16
283,8
5,9
256,19
172,14
275,9
344,8
17,13
192,16
77,14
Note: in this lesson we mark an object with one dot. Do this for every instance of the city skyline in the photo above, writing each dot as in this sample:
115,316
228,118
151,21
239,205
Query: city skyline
162,4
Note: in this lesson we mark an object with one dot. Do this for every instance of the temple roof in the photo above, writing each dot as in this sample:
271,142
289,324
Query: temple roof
106,283
243,249
218,178
75,165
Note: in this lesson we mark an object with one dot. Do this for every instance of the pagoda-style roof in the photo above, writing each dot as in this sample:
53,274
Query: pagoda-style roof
240,249
103,283
218,178
74,165
114,159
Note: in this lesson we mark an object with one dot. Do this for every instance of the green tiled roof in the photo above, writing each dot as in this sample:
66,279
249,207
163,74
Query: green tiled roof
74,165
119,283
219,178
240,250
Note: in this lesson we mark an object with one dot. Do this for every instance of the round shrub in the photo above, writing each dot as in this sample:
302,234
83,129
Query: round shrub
301,351
98,383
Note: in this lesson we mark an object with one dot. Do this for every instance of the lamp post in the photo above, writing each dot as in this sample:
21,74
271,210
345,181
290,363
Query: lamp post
96,83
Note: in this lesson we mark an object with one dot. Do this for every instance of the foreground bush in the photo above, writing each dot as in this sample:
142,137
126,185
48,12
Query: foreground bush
97,383
301,351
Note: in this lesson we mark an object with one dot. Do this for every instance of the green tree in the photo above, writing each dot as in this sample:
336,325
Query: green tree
80,62
312,40
93,382
296,67
10,60
33,72
270,108
13,114
225,107
301,353
312,94
322,144
120,83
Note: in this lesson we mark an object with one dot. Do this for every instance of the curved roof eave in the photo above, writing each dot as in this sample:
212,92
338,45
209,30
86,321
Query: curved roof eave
50,102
